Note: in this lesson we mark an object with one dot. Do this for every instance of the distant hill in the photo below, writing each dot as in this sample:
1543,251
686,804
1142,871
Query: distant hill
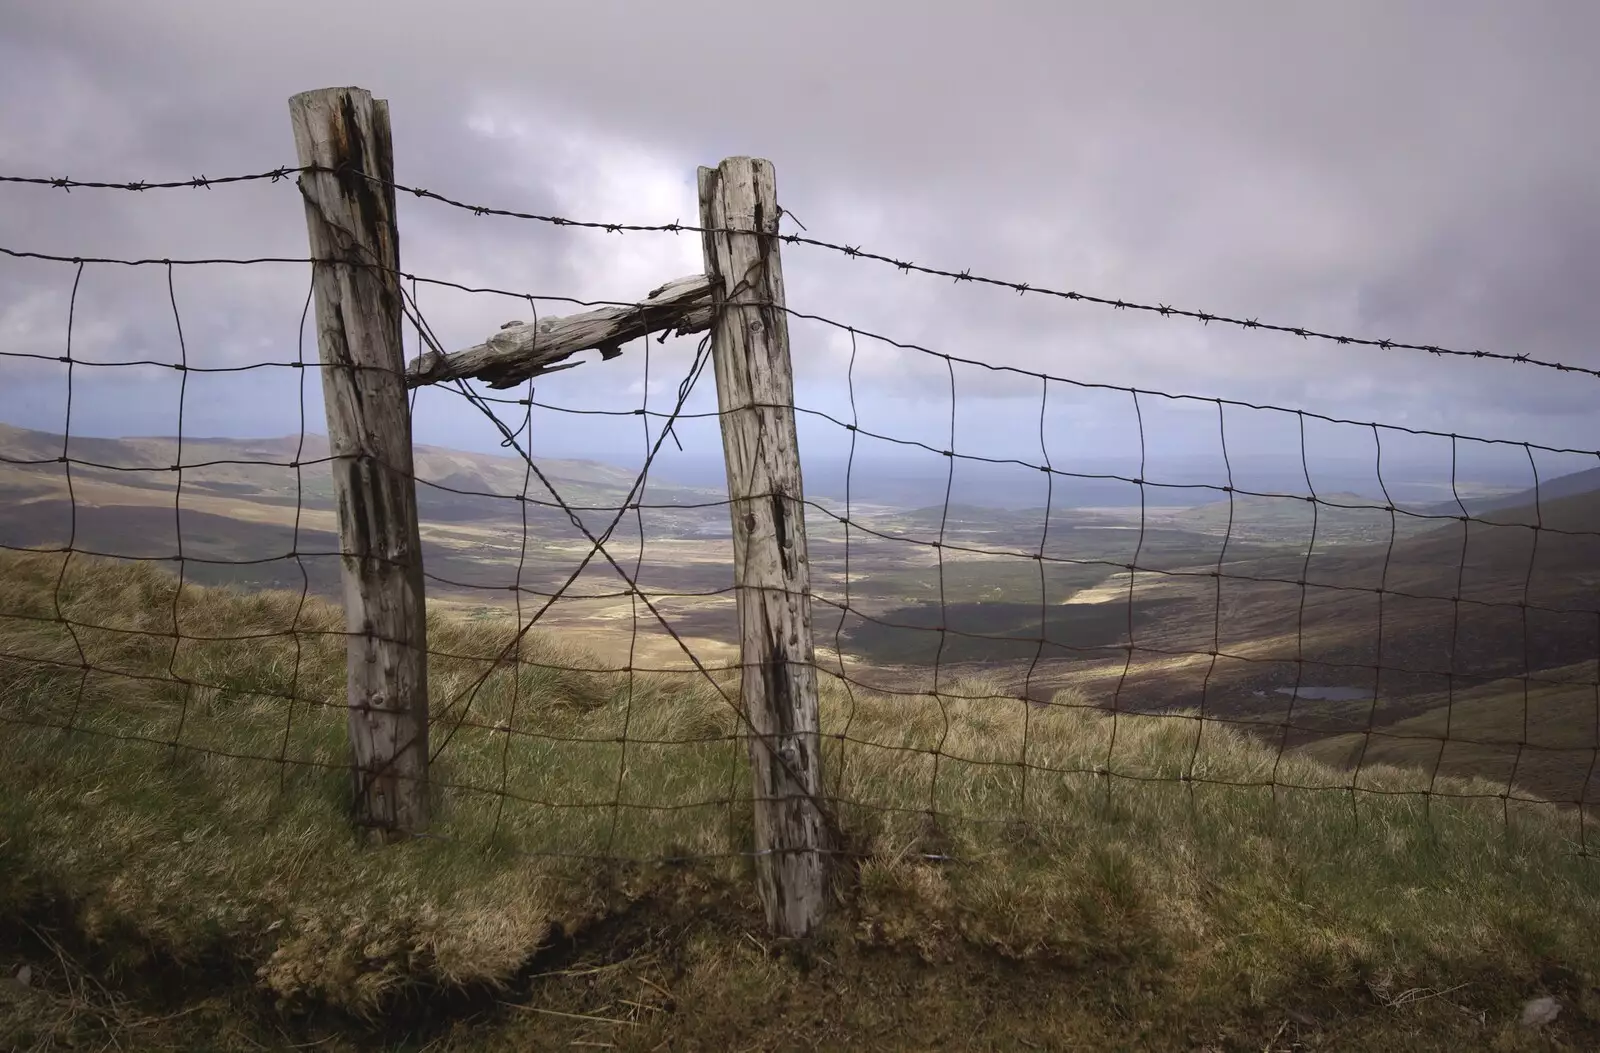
1548,490
1364,606
259,466
238,506
1254,517
1337,518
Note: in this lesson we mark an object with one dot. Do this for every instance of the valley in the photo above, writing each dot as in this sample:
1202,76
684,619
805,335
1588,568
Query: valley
1149,609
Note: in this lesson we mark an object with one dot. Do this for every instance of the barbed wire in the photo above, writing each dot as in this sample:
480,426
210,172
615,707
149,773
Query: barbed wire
1163,310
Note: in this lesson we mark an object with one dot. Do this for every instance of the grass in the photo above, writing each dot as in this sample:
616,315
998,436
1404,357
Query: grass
1540,737
177,869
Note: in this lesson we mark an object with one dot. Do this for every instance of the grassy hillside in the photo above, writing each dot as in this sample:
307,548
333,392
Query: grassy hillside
1344,518
1534,737
258,467
177,870
239,514
1569,485
1338,628
243,500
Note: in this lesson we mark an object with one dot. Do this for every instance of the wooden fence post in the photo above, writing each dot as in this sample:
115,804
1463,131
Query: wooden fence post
755,395
355,246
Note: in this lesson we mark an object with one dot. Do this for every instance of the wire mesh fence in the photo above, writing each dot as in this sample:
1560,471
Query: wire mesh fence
96,629
990,675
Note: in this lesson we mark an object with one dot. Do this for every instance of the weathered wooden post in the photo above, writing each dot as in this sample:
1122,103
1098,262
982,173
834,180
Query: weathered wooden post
355,246
755,396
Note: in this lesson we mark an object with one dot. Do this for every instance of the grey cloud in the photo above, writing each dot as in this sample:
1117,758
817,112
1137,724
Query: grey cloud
1511,280
1413,171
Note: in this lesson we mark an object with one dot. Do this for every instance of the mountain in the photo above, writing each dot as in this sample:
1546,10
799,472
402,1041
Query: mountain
1548,490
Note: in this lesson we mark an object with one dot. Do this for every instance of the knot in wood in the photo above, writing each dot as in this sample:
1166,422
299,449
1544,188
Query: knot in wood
789,750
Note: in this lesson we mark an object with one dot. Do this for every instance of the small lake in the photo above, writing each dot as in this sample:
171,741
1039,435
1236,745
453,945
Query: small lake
1328,694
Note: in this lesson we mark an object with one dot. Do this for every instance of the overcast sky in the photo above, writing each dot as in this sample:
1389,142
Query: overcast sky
1425,172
